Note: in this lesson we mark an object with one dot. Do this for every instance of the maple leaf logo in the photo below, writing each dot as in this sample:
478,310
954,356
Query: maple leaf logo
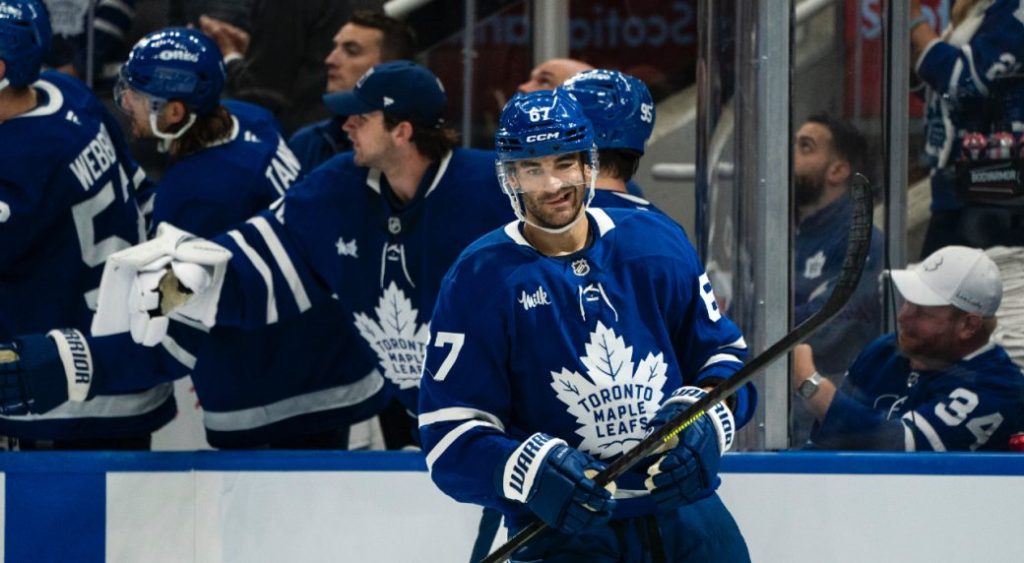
615,402
396,338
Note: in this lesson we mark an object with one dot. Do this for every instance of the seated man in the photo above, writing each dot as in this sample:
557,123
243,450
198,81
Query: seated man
939,383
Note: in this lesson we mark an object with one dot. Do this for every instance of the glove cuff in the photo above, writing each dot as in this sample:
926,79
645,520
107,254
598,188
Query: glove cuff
76,358
518,477
720,415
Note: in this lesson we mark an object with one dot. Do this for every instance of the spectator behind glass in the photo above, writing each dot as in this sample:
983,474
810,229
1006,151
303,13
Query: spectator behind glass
965,70
551,73
282,66
939,383
826,153
366,40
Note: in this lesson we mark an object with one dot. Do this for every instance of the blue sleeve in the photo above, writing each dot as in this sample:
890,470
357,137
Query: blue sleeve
995,50
465,398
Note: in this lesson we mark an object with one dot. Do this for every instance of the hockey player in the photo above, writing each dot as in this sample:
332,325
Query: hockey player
621,109
377,228
939,383
558,341
67,200
366,40
284,386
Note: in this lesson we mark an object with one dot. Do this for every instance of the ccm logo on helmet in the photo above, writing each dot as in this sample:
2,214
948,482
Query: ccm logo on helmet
541,137
178,56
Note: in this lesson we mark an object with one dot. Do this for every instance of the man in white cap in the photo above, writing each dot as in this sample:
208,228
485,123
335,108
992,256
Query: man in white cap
939,383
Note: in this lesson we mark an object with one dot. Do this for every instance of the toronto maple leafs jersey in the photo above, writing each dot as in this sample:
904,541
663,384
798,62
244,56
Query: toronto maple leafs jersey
67,201
884,404
962,72
383,261
584,348
272,382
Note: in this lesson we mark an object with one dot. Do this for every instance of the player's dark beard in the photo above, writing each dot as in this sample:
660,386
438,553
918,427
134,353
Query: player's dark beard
807,190
544,219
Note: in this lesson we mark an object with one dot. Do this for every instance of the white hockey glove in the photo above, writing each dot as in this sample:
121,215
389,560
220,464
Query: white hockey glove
175,274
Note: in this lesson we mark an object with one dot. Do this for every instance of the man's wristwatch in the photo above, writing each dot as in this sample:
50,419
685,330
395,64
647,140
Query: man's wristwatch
810,386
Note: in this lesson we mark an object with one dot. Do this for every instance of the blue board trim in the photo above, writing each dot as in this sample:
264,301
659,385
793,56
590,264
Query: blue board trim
746,462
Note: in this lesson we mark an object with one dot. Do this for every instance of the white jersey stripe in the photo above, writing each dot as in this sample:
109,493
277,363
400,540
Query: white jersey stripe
178,353
452,414
914,418
444,443
264,271
718,359
284,262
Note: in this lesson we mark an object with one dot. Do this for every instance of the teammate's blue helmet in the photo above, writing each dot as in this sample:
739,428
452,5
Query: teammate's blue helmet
24,39
177,63
619,106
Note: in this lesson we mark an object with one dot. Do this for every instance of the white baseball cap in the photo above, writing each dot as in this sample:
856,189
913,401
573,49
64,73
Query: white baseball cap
963,277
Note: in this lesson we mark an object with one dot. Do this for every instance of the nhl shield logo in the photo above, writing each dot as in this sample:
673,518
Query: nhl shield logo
814,265
581,267
394,225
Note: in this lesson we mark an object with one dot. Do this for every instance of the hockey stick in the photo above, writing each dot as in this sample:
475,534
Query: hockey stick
853,266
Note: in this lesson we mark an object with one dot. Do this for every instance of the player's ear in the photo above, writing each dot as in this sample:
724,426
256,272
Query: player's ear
838,171
175,112
403,131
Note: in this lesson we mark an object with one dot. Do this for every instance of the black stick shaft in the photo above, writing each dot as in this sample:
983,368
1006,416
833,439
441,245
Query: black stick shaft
857,248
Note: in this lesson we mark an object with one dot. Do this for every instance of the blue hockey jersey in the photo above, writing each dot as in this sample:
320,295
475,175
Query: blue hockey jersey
382,261
884,404
67,201
273,382
961,72
583,347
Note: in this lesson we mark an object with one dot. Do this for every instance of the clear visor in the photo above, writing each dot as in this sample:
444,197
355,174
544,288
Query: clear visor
547,173
129,99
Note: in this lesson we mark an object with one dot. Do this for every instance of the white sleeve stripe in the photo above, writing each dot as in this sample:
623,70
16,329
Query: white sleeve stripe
178,353
909,443
718,359
108,28
139,176
739,344
452,414
283,261
119,6
264,272
914,418
450,439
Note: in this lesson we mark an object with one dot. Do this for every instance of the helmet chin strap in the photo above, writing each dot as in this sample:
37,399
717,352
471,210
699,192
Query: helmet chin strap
166,138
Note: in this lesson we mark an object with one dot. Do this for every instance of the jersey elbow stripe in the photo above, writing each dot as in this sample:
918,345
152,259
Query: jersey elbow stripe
284,262
178,352
449,439
720,359
915,420
455,414
263,270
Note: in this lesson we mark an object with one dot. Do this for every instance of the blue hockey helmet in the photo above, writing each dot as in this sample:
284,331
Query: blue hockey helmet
619,106
177,63
24,39
542,123
537,125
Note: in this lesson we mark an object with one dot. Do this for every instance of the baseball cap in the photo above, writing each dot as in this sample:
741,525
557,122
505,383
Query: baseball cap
401,89
963,277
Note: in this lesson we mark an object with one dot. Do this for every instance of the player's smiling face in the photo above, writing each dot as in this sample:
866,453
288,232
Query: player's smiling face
553,189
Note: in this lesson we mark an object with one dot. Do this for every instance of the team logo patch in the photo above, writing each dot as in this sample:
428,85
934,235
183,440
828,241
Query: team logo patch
396,337
814,265
615,399
347,248
394,225
581,267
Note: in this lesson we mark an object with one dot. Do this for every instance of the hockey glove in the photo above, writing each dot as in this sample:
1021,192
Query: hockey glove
38,373
688,471
159,288
553,480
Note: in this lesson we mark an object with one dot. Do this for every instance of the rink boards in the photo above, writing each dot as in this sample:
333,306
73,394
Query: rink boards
252,507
